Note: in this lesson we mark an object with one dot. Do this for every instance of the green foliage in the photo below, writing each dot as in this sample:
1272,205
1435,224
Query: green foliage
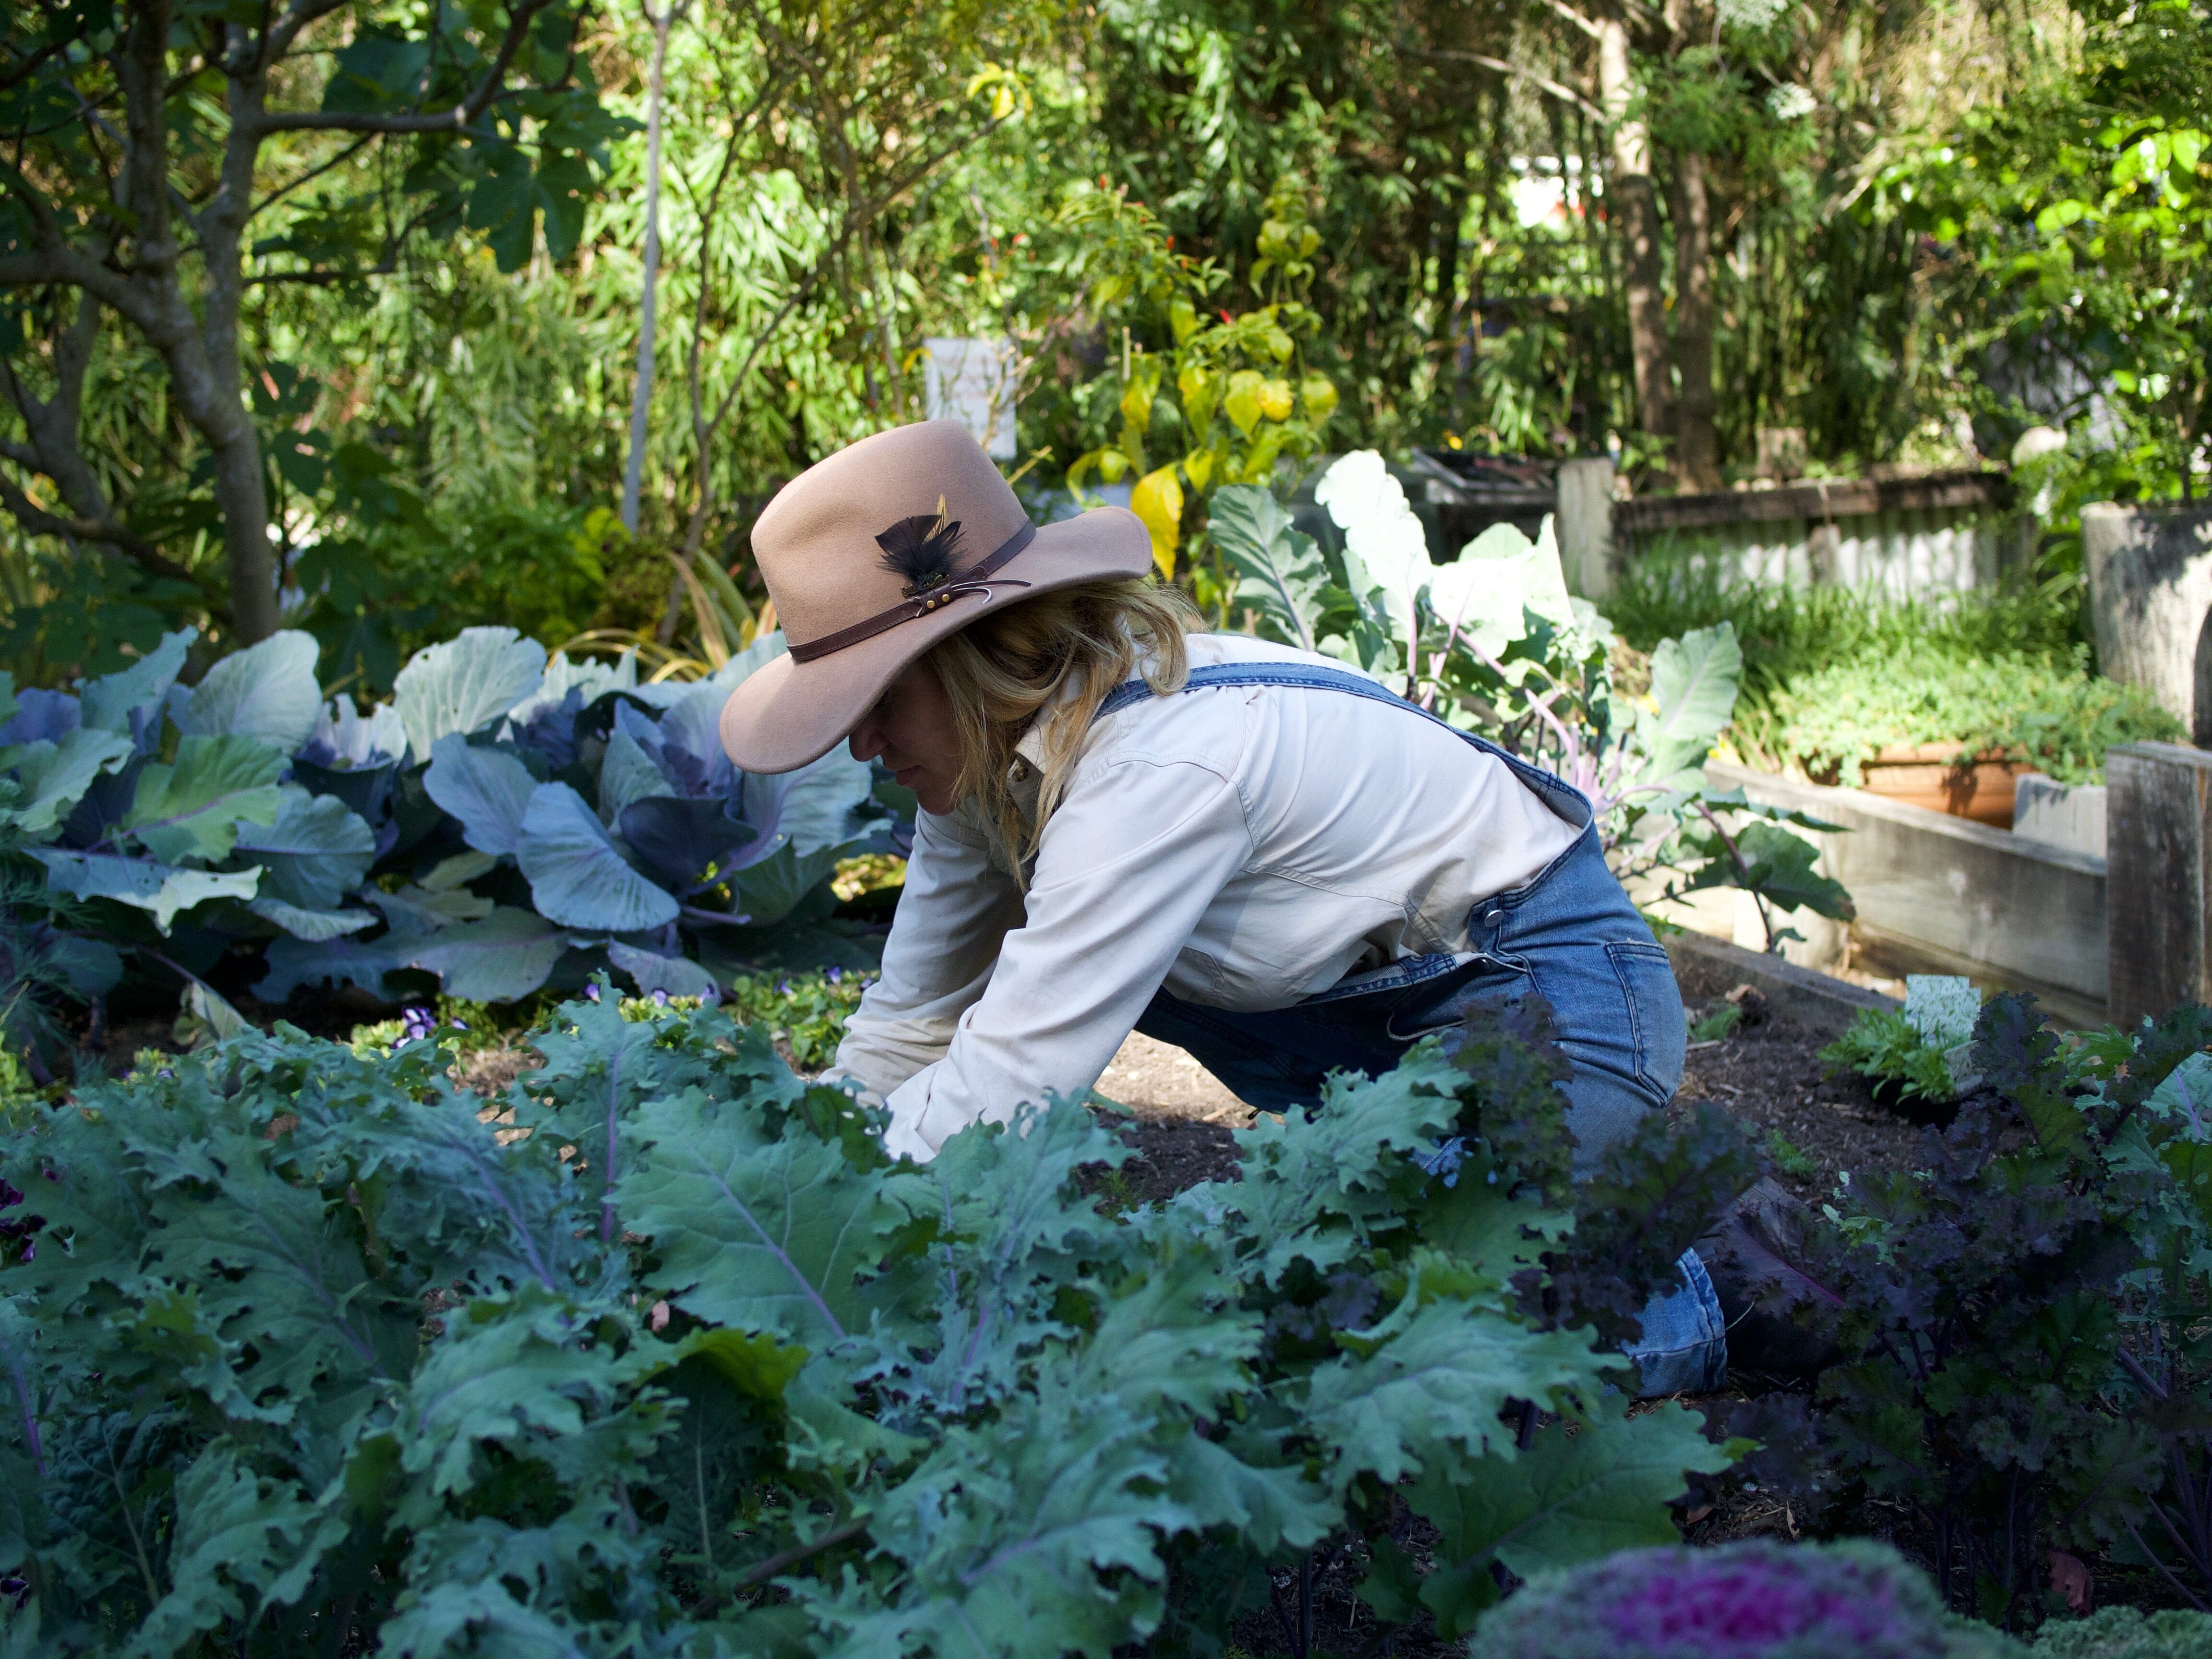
1885,1046
1788,633
2018,1318
2055,717
1232,394
1715,1023
806,1012
441,834
2127,1633
306,150
656,1350
2080,212
1786,1155
1832,676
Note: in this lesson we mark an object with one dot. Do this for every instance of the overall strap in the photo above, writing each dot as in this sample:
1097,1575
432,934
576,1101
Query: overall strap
1562,797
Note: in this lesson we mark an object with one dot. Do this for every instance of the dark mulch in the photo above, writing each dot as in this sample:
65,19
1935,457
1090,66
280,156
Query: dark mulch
1768,1071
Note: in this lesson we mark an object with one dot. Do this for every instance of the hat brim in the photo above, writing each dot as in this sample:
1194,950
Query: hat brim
787,713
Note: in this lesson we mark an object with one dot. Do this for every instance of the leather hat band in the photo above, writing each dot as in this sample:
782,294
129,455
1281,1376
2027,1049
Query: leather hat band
980,580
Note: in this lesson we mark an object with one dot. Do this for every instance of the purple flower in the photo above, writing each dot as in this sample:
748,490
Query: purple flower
457,1025
783,988
660,997
834,975
416,1023
9,1197
591,991
17,1587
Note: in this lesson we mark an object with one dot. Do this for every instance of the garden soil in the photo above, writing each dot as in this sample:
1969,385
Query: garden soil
1767,1071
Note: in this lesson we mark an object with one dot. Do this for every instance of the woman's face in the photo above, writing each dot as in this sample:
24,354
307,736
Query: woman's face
911,728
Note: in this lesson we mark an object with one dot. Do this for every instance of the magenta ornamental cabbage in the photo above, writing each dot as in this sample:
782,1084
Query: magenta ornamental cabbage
1752,1601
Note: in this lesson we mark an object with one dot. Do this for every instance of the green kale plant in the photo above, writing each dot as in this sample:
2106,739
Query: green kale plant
309,1350
1905,1053
2127,1633
2022,1363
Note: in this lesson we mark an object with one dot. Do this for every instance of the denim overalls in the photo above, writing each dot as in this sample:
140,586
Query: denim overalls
1570,935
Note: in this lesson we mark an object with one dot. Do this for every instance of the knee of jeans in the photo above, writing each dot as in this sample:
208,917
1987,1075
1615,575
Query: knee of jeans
1683,1347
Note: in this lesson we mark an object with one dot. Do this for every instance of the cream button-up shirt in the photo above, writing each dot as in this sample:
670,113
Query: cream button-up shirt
1243,846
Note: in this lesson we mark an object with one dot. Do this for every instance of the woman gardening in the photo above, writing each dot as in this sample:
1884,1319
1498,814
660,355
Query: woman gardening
1127,824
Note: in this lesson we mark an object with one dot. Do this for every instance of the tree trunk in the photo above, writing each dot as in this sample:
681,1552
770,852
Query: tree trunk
1696,445
1635,202
641,394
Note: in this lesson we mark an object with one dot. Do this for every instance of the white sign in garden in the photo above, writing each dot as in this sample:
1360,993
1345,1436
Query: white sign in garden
974,382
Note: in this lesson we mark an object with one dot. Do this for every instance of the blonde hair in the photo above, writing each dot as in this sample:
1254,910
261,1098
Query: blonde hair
1051,661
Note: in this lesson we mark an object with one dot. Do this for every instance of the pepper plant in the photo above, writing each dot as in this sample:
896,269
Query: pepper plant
1202,402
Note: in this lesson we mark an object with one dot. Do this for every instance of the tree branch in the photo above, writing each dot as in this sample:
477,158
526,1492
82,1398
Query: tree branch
39,522
1513,72
142,68
277,40
311,174
1574,17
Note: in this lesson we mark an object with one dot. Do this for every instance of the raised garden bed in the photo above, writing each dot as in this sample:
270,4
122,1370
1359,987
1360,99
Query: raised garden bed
1941,893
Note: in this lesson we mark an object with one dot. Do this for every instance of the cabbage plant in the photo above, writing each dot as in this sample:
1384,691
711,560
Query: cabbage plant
1756,1600
503,821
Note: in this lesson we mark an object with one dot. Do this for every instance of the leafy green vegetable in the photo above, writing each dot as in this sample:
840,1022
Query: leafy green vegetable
655,1350
478,859
1885,1046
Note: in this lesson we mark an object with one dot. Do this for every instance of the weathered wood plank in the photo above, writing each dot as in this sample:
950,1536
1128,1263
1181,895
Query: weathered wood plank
2028,912
2158,827
1844,498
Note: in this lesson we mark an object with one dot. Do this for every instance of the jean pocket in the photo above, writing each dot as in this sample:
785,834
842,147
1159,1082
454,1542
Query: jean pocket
1655,1013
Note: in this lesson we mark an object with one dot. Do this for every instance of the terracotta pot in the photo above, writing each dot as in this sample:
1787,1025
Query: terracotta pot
1940,777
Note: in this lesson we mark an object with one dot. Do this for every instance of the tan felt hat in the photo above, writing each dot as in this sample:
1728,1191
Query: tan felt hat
879,552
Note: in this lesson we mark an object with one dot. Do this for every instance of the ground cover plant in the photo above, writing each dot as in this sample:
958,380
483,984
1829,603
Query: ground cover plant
1917,1053
2053,717
505,820
307,1349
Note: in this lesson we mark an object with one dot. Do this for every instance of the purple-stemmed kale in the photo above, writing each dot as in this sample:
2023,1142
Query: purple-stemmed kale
2020,1318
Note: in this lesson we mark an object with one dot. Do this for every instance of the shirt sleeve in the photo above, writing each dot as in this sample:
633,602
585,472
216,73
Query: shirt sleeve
957,906
1125,870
